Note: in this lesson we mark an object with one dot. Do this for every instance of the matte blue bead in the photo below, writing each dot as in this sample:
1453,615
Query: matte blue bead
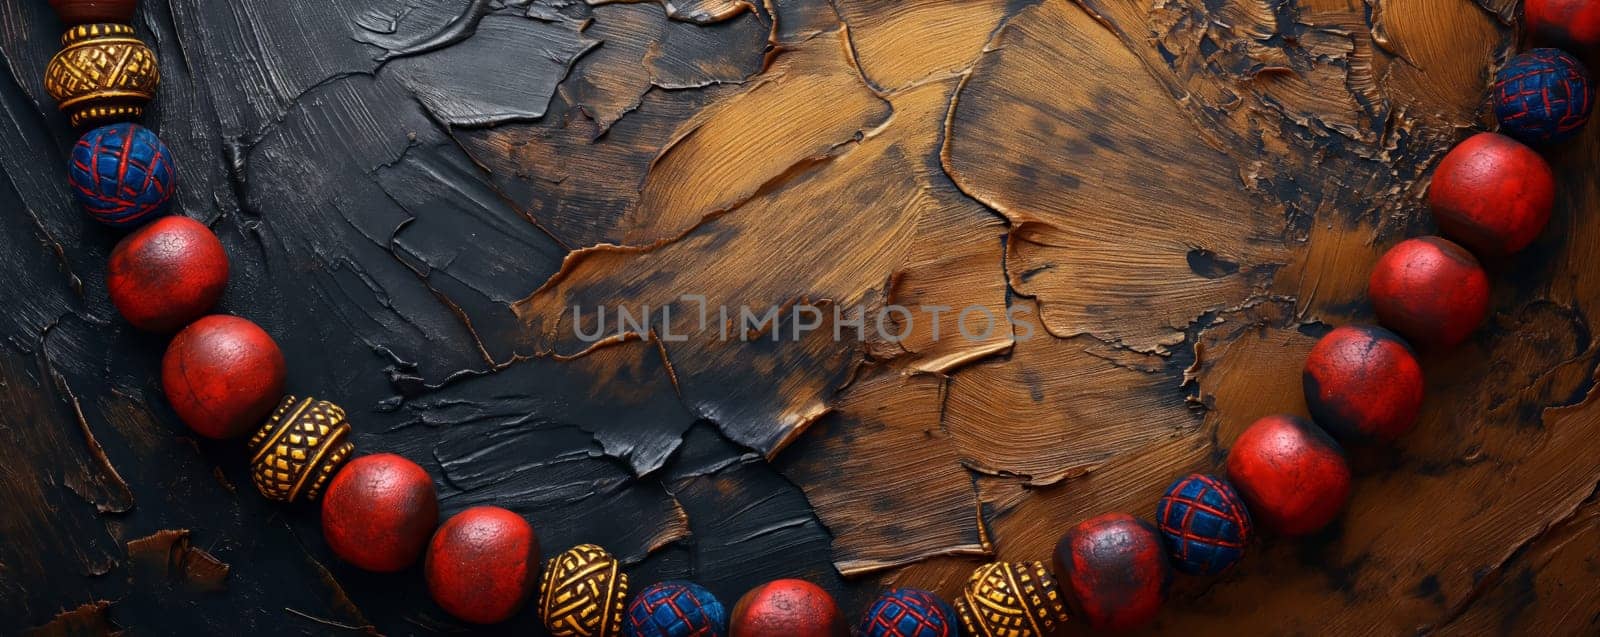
675,609
122,174
909,612
1203,523
1542,97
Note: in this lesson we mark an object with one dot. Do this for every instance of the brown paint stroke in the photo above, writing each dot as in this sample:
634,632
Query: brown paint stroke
87,620
701,12
167,555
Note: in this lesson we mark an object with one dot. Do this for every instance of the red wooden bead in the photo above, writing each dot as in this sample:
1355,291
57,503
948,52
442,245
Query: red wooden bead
223,375
1431,291
1570,23
787,608
1114,570
1362,383
94,11
1492,194
1291,474
167,274
379,511
483,564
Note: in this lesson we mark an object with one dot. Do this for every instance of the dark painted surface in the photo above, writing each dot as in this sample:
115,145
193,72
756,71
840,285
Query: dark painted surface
317,141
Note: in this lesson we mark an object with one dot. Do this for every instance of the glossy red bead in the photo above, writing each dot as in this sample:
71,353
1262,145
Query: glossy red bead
787,608
483,565
223,375
1115,572
1362,383
379,511
1431,291
1291,474
1492,194
1573,24
94,11
167,274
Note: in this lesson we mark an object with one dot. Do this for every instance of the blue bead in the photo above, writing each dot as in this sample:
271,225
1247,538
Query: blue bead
1203,523
122,174
909,612
675,609
1542,97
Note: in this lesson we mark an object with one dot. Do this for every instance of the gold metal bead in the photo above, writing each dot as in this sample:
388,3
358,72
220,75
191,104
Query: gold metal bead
582,593
102,74
297,452
1013,599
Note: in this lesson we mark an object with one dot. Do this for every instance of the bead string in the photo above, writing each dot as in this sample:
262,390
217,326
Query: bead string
1362,384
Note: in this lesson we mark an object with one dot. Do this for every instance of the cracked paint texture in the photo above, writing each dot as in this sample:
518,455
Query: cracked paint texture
1178,196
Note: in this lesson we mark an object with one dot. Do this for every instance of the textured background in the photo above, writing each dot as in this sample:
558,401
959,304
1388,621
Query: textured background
1182,194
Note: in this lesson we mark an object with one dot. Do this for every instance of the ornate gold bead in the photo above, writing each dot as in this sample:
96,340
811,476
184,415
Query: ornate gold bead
299,449
1011,599
102,74
582,593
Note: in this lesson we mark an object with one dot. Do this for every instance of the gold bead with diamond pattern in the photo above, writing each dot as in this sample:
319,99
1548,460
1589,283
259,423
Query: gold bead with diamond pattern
103,74
1011,599
297,452
582,593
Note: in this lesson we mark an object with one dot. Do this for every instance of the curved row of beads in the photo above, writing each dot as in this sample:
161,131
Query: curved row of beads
223,375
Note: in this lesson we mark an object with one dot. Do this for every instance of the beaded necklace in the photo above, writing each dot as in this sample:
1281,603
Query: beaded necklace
223,375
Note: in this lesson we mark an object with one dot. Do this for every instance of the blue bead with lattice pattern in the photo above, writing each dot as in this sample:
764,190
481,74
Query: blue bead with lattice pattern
1542,97
675,609
1203,523
122,174
909,612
